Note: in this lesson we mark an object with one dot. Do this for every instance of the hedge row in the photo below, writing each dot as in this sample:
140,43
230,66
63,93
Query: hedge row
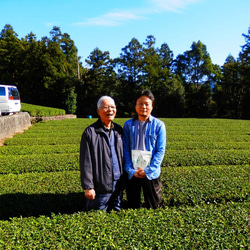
53,145
206,202
34,194
63,182
33,149
53,159
199,227
33,134
175,143
63,138
38,163
207,145
52,140
40,111
206,184
206,157
208,137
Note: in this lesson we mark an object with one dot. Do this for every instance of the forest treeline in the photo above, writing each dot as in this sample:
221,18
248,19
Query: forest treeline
49,72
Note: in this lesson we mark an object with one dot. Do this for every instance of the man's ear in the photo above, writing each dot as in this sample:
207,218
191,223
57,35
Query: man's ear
98,111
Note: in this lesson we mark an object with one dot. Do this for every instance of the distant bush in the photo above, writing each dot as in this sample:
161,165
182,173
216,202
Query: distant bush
40,111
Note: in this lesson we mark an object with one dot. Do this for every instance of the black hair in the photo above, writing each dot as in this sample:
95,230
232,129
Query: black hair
146,93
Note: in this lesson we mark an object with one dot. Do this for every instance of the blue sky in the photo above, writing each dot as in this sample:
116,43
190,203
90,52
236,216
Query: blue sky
110,25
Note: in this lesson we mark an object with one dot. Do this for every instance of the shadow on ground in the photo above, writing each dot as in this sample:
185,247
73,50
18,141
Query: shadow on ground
26,205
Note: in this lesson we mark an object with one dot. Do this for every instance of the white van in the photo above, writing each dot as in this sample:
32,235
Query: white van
9,99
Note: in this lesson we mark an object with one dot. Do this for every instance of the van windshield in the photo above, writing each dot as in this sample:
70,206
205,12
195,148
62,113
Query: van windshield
13,92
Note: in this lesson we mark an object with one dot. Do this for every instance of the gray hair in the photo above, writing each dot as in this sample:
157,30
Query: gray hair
101,99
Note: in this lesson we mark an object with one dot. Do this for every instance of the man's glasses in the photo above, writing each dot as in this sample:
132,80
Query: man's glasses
105,108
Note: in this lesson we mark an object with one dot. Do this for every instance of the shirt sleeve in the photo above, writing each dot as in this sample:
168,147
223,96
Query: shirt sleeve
86,169
158,152
128,165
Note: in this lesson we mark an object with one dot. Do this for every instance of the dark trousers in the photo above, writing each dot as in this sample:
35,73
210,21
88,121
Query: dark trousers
151,191
107,201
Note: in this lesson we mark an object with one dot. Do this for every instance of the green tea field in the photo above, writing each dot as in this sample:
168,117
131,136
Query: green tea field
206,191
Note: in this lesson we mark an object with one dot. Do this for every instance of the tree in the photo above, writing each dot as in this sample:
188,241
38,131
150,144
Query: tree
130,62
157,65
227,92
197,73
99,79
169,99
147,67
61,71
232,94
48,71
151,64
171,92
244,60
10,55
31,71
129,67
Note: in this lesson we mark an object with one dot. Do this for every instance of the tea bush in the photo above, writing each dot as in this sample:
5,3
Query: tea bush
181,187
206,185
198,227
38,163
40,111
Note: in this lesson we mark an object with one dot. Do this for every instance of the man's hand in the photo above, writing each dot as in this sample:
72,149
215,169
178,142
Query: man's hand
140,173
90,194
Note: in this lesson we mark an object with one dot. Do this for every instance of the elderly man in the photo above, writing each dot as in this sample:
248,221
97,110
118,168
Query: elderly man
101,159
144,149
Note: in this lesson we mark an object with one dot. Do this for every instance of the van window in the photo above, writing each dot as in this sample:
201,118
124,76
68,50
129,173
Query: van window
13,93
2,91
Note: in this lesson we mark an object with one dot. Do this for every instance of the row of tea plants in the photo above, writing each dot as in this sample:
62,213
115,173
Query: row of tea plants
206,186
40,111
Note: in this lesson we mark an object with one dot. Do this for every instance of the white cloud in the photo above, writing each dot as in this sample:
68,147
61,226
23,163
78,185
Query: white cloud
122,16
171,5
111,19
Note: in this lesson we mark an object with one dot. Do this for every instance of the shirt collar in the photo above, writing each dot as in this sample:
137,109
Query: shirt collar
148,120
107,129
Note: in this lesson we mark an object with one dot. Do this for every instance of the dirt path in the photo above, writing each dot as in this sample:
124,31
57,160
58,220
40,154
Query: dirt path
3,139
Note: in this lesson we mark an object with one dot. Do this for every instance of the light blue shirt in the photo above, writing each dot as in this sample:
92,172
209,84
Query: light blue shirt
155,141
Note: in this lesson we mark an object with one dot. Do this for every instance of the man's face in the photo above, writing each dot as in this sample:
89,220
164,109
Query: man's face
107,111
144,107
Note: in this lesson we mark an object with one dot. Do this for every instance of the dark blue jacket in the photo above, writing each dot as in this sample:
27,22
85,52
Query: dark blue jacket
95,157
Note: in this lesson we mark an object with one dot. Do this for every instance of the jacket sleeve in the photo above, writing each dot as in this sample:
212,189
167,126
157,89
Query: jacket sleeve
159,152
128,165
86,170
